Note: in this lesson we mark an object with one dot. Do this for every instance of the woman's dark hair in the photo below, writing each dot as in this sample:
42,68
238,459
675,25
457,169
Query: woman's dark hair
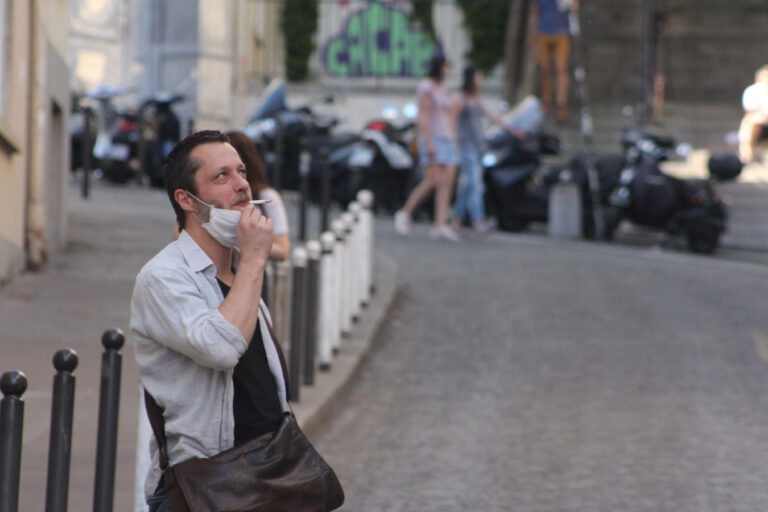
180,169
468,85
249,154
435,68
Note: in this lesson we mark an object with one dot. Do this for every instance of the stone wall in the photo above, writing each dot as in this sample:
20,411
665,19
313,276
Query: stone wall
709,49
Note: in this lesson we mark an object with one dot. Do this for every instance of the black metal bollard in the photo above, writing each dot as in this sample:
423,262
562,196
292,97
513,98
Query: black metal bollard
312,291
298,325
109,404
87,149
325,189
12,384
60,446
277,175
304,163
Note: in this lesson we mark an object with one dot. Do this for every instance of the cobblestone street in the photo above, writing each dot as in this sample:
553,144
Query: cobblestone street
518,374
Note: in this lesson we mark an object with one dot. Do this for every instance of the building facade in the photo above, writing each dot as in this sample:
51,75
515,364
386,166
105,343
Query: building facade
34,142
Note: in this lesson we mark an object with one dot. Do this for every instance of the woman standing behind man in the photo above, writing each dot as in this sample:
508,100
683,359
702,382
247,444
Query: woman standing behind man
470,110
437,153
260,189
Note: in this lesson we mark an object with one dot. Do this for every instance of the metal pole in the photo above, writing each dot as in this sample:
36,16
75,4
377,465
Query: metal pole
298,325
304,161
587,126
87,115
325,189
60,445
328,301
109,404
280,297
644,62
314,252
12,384
277,171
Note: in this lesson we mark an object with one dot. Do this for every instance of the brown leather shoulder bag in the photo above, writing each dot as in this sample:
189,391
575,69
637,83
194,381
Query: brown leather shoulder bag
280,472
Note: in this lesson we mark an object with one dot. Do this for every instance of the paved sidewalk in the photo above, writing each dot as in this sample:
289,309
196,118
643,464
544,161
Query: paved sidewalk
85,291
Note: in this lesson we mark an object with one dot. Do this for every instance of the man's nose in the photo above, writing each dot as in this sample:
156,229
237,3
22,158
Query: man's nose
241,183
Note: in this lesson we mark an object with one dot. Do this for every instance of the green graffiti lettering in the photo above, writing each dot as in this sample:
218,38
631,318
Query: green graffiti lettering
378,41
336,66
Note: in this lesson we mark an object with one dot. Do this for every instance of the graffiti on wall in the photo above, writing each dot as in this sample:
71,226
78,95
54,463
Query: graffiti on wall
379,40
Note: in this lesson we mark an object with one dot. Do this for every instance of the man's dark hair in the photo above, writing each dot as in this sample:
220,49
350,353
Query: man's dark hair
180,169
435,67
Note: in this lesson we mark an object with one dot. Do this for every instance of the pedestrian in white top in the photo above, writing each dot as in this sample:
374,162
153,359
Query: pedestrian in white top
755,103
257,177
203,344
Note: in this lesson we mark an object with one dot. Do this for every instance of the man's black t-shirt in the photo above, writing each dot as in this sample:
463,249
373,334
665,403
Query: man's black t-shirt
256,406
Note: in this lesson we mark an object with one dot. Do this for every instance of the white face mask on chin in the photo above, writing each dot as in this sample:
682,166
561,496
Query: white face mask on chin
222,223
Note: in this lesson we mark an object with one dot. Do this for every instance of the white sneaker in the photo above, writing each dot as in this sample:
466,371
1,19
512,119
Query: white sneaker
402,222
444,232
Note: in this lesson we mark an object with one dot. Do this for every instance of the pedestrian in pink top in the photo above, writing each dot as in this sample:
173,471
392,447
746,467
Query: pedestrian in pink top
437,152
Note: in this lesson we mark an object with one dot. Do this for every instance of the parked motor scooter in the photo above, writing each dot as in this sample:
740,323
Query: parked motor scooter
114,152
160,131
648,197
517,191
381,161
279,131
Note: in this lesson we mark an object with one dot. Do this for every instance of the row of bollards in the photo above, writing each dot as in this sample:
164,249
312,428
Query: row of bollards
331,283
13,384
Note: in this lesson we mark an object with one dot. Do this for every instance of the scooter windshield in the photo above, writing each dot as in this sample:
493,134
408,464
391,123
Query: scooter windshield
273,102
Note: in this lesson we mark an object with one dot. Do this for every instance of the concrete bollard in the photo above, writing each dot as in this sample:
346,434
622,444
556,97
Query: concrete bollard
12,384
60,444
365,198
312,291
356,267
339,230
565,215
142,461
328,301
109,406
349,275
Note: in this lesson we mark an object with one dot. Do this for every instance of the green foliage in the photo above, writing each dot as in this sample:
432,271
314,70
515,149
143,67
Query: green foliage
298,21
422,13
486,23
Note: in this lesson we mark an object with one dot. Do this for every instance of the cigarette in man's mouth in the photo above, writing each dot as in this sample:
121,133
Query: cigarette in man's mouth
260,201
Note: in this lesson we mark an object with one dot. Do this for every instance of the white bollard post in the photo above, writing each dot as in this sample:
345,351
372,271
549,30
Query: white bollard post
143,435
349,274
328,301
339,230
565,217
365,198
357,260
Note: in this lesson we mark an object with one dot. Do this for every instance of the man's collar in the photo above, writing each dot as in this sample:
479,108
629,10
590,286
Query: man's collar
193,253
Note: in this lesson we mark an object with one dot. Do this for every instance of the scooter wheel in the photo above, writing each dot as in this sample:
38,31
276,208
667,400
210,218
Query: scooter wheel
514,225
703,244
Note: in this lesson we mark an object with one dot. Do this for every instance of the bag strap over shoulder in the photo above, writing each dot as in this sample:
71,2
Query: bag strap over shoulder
155,414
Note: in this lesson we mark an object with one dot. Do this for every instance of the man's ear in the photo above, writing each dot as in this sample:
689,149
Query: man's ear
184,199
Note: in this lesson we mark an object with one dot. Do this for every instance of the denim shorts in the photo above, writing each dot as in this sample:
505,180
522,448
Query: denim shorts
445,153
